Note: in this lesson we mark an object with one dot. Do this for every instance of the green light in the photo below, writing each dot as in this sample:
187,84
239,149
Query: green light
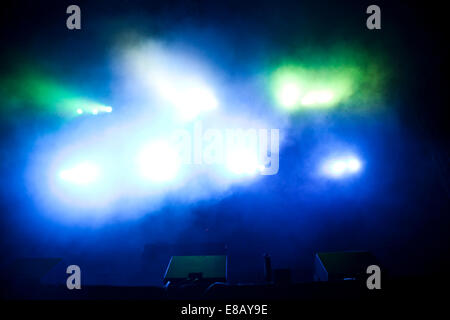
87,106
297,87
26,87
318,98
320,79
288,88
290,95
80,106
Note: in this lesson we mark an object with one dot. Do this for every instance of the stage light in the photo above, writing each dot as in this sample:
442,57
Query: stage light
81,174
84,106
243,162
195,100
353,165
317,98
337,168
288,88
51,95
100,109
189,100
106,109
158,162
298,87
290,94
341,167
181,84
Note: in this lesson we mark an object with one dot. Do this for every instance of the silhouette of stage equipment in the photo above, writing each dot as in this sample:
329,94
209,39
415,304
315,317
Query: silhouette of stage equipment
345,265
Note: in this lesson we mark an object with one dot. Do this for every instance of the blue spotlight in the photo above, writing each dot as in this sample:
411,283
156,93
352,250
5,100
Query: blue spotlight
243,162
353,165
81,174
190,100
158,162
195,100
341,167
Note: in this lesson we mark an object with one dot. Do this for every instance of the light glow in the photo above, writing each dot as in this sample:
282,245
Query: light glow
341,167
158,162
243,162
189,100
320,97
290,95
81,174
298,87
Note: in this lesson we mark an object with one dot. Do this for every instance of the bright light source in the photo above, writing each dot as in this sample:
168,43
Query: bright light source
353,165
289,95
302,86
196,100
243,162
189,100
158,162
183,89
81,174
288,88
101,109
105,109
79,111
338,168
314,98
324,96
341,167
